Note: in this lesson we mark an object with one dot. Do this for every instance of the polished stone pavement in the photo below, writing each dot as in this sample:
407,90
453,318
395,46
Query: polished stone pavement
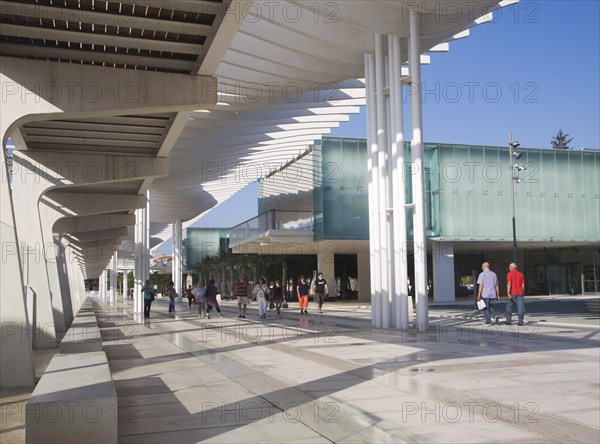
333,378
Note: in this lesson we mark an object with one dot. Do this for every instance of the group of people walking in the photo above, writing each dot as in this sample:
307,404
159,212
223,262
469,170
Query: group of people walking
274,298
489,291
319,290
266,297
205,296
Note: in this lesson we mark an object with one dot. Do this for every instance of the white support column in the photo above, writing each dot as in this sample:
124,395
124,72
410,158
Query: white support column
62,274
16,361
124,285
382,194
138,280
142,262
418,175
102,286
176,263
398,186
443,272
113,277
26,188
389,170
373,192
75,278
146,249
52,262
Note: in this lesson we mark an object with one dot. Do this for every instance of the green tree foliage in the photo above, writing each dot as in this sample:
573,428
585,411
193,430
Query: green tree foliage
270,266
161,281
561,141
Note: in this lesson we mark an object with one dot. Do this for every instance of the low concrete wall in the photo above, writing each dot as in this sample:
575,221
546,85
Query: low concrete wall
84,334
75,401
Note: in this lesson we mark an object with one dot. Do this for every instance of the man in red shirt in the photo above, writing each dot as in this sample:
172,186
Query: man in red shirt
515,282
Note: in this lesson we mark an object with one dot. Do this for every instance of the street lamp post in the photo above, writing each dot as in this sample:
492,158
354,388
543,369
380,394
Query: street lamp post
514,167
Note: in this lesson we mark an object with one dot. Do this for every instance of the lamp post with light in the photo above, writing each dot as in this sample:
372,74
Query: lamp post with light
514,167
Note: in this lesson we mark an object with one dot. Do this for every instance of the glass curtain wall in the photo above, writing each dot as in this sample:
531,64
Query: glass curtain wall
467,192
198,243
557,200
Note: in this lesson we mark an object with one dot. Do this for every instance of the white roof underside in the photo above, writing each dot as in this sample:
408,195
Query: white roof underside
287,74
284,84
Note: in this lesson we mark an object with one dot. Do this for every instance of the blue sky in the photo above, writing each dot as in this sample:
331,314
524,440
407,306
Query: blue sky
532,71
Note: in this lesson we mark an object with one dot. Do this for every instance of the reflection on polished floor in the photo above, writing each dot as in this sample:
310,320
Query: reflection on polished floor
333,378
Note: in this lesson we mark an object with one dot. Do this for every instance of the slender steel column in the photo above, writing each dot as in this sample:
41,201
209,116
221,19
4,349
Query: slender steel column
373,190
113,277
418,175
102,285
142,263
124,285
176,264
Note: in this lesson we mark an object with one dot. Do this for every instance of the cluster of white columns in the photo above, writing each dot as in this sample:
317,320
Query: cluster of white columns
387,214
109,292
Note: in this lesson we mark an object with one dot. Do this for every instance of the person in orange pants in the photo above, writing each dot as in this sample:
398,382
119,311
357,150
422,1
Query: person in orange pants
302,290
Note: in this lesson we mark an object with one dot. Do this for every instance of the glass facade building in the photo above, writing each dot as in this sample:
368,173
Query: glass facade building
468,206
459,180
467,193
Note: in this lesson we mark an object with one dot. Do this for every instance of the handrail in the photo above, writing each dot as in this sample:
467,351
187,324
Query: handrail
288,220
265,212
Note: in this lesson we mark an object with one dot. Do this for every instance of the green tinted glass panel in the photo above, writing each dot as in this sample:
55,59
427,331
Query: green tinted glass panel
467,192
556,199
341,201
199,243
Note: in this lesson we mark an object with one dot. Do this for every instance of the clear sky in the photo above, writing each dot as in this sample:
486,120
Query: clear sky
532,71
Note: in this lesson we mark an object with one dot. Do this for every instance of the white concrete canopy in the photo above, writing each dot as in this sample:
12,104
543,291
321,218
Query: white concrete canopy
247,87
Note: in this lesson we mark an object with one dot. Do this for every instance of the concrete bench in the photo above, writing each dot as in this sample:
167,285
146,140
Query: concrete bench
83,335
74,402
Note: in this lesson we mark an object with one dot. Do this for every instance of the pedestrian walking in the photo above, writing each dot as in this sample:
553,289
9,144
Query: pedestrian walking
241,290
321,291
171,294
149,291
515,284
211,298
302,290
277,293
190,295
261,292
489,292
200,296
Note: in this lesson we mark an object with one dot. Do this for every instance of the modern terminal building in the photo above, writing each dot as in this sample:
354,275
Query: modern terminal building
318,205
